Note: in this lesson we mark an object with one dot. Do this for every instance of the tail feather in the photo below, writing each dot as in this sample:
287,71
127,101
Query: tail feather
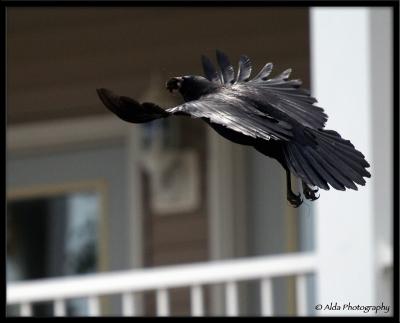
345,146
336,171
329,154
311,169
354,164
331,160
323,170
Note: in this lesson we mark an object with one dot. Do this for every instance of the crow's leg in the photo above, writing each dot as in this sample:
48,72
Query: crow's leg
294,200
309,193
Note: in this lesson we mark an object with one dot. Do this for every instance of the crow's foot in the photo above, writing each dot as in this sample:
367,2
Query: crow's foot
309,193
294,200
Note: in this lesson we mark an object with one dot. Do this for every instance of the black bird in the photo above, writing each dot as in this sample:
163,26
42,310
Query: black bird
274,115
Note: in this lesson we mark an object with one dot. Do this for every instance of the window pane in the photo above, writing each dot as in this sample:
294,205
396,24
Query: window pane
51,237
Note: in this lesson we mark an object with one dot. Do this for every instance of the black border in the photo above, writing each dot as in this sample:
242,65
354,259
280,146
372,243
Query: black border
200,3
395,20
293,3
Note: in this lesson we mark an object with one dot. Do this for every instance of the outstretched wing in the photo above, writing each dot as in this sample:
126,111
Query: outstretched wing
130,110
235,113
277,95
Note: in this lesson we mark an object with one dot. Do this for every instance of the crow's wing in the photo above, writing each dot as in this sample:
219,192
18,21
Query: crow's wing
130,110
279,95
237,114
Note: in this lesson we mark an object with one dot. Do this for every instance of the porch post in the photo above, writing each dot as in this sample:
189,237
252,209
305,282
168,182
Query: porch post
351,78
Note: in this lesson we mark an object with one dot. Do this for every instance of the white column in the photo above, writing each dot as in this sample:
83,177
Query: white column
382,142
344,79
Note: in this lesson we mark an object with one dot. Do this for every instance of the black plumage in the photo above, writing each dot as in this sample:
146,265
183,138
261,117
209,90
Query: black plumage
274,115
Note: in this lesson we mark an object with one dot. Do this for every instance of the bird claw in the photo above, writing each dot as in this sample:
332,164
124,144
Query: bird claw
309,193
294,200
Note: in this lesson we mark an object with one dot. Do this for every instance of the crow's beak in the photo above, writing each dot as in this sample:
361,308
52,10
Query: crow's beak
174,83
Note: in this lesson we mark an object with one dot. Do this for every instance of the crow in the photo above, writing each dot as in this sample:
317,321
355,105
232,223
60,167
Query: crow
274,115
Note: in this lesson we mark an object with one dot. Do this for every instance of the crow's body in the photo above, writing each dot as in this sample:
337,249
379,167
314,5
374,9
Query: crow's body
274,115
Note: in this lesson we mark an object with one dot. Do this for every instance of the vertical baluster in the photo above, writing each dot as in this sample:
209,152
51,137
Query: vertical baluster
25,309
128,304
162,302
197,303
267,304
93,306
301,295
59,307
231,298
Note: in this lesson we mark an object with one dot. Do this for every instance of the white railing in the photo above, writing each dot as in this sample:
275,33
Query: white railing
161,279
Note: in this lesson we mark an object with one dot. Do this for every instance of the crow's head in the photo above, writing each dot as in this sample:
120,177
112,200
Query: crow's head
191,87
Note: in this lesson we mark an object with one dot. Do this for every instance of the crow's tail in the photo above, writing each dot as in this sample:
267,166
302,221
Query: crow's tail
330,160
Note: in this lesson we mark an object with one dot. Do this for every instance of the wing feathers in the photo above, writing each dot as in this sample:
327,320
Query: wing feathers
239,115
264,73
209,70
129,109
244,70
227,72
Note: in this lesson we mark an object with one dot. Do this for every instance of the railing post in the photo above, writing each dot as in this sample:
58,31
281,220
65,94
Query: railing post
301,295
25,309
128,304
196,297
267,301
162,302
59,307
231,296
93,306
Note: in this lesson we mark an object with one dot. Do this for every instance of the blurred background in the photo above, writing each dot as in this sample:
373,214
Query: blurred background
88,194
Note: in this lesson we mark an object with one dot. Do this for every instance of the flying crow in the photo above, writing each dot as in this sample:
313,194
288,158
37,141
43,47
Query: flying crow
274,115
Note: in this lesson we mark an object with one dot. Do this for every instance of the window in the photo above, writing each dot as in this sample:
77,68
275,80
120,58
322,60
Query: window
52,236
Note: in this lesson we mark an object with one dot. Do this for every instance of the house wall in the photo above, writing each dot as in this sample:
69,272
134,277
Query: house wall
58,57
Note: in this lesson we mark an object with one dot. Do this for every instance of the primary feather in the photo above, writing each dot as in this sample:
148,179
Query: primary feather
244,70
